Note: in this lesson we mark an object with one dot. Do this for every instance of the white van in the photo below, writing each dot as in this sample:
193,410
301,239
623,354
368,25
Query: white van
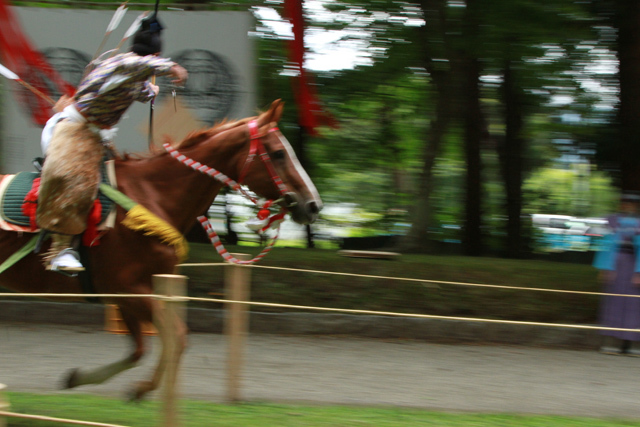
551,221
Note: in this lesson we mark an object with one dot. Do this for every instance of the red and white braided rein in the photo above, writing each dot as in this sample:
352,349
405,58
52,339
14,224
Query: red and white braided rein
204,221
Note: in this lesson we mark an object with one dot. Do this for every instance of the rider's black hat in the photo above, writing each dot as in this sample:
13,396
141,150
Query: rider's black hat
147,40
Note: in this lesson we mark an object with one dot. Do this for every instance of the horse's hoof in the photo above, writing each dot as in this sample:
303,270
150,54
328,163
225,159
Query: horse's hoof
70,380
137,393
133,396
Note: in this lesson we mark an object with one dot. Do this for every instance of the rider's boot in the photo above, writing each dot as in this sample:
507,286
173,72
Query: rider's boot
65,259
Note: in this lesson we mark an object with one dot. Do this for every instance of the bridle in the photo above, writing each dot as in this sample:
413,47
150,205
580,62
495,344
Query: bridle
256,148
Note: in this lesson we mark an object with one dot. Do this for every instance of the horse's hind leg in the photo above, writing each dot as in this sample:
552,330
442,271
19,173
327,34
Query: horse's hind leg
160,322
101,374
77,377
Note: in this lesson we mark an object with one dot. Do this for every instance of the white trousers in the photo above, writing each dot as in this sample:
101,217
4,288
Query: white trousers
72,114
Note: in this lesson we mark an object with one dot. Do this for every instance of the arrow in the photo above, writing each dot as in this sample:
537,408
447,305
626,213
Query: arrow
131,31
13,76
113,24
8,73
117,17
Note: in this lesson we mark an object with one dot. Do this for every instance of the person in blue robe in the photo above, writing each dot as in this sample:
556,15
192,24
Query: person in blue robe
619,265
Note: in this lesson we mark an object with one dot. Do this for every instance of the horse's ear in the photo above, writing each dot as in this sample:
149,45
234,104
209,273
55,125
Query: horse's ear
277,106
273,114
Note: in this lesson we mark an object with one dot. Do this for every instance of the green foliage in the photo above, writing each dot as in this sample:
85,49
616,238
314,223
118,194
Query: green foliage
375,152
566,192
549,58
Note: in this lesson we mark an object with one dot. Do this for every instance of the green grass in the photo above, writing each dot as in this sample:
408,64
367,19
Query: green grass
301,288
205,414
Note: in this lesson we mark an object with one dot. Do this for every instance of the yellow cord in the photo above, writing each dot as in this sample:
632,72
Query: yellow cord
140,218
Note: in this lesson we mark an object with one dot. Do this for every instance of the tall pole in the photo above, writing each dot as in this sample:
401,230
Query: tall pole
151,108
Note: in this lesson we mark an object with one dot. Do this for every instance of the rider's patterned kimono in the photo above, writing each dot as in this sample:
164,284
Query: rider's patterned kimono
70,176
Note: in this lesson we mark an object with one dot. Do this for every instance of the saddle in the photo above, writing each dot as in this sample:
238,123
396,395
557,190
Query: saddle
18,197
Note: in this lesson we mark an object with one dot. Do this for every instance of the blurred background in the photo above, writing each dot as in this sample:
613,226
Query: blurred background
477,127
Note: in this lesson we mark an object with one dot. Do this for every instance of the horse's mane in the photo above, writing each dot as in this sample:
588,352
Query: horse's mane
198,136
193,138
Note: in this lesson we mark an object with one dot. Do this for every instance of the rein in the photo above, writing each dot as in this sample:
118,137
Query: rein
256,148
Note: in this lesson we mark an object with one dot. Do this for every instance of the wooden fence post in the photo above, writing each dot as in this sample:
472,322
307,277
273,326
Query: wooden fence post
4,405
237,288
172,312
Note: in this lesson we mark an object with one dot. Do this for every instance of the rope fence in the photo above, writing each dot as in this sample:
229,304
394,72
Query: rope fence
55,420
354,311
412,315
325,309
411,279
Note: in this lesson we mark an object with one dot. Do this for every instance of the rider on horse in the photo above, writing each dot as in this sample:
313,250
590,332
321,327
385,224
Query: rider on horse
77,139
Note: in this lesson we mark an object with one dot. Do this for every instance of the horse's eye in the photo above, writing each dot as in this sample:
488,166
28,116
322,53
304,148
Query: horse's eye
278,155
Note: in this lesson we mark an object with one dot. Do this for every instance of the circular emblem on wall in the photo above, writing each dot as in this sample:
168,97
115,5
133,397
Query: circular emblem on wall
69,63
33,106
211,89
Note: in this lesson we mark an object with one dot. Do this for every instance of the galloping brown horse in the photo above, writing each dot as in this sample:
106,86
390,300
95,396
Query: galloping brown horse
125,260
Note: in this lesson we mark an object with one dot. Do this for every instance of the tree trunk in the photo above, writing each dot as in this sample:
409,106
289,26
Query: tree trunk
434,11
417,239
468,71
510,154
629,112
473,130
393,164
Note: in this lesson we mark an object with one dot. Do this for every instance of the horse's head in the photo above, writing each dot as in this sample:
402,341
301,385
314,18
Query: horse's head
273,171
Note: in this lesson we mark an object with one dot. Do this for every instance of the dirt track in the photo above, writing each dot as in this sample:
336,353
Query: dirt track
345,371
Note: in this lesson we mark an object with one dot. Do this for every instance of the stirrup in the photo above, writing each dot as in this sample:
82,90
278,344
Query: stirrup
66,262
38,162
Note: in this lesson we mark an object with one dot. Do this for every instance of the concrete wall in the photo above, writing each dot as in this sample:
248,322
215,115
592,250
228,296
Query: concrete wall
214,47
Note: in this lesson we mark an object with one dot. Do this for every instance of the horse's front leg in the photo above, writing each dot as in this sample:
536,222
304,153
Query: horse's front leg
78,377
171,350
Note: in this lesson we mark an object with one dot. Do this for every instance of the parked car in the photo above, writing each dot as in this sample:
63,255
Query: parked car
568,233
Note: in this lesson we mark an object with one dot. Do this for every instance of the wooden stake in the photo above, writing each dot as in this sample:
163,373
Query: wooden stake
237,287
172,313
4,405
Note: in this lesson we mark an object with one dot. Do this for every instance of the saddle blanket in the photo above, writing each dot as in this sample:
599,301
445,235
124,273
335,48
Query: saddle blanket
14,193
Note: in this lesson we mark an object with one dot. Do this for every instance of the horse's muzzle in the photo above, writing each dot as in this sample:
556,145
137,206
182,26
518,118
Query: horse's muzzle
290,200
302,212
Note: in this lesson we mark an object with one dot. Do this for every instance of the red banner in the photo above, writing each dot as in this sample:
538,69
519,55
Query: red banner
310,112
30,65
